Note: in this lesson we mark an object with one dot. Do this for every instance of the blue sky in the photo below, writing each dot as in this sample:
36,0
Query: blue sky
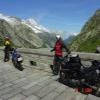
66,15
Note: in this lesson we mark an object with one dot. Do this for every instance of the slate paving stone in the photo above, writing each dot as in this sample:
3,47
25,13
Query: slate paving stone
91,97
50,96
35,82
18,97
32,97
31,90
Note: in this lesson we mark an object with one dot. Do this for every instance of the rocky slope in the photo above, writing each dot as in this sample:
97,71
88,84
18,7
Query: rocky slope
48,39
89,37
24,33
69,40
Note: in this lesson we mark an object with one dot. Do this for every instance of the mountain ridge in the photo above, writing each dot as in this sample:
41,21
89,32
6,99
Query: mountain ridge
89,37
22,33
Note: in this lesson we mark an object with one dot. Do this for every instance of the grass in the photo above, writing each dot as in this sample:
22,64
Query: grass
90,44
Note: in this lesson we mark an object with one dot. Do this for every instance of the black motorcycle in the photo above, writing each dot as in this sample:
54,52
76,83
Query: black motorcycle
91,75
75,75
70,69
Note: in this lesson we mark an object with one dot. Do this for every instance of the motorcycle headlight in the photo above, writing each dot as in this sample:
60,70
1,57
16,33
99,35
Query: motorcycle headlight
20,59
97,71
83,80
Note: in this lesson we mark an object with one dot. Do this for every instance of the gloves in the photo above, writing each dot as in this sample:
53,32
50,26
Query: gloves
69,52
51,50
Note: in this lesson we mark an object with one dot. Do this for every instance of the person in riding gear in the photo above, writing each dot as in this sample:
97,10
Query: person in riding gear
58,48
7,44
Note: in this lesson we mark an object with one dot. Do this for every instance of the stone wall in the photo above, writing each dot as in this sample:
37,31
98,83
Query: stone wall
46,53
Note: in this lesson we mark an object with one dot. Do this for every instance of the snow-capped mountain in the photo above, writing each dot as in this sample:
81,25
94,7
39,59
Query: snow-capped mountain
9,19
29,22
35,26
24,32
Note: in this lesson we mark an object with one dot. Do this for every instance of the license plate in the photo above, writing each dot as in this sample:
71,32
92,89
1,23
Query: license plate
20,59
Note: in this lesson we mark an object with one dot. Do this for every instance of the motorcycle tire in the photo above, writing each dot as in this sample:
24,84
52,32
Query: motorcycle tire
18,66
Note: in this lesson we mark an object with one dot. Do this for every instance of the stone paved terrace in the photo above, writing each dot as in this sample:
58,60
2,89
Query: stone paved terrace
34,83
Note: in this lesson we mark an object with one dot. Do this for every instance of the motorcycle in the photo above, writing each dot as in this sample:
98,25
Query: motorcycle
17,60
92,74
71,68
75,75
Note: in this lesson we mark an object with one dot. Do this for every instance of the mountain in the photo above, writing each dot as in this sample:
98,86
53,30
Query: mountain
69,39
89,37
24,33
48,39
34,26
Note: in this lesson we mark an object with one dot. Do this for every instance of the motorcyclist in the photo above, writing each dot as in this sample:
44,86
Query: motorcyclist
58,48
7,44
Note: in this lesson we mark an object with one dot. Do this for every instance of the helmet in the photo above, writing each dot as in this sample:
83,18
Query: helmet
7,38
58,36
7,41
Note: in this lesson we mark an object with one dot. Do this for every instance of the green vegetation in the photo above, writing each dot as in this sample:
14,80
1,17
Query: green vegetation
90,44
89,37
1,41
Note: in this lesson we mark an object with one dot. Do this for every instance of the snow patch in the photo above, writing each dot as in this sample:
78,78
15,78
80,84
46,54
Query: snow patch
75,34
29,22
35,26
9,19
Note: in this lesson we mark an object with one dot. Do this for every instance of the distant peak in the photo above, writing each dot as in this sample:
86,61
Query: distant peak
98,10
32,21
2,15
10,19
75,34
33,24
